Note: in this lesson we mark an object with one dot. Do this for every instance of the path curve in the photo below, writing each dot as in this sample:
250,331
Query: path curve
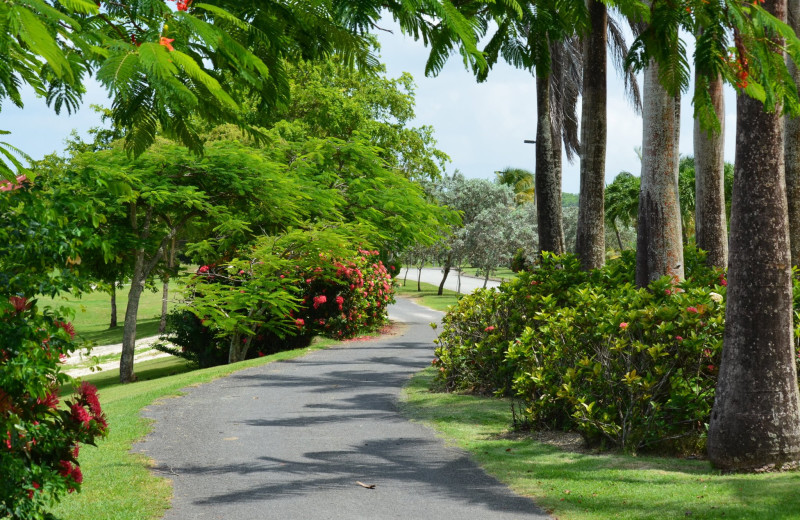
291,439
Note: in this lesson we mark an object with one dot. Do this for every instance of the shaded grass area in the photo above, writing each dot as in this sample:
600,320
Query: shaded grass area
117,484
93,313
575,486
428,296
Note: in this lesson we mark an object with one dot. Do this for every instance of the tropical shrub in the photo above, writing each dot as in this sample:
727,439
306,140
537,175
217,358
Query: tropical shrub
627,367
284,292
40,437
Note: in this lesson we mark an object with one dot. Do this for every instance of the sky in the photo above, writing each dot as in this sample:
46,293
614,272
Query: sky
481,126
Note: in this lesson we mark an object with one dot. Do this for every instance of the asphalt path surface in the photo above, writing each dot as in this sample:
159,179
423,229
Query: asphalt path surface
292,439
433,276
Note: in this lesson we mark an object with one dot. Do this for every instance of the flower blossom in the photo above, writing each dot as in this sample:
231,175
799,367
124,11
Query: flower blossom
623,325
167,42
319,300
203,269
489,328
692,310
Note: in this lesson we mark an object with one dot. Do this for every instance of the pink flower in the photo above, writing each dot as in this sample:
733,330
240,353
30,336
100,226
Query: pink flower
299,322
623,325
679,338
692,309
203,269
319,300
489,328
339,302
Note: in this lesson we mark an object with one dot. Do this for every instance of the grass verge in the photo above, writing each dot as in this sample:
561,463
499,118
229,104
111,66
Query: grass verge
428,296
118,484
93,313
575,486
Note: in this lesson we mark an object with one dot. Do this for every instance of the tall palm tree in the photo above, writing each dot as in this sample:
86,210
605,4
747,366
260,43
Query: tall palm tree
792,153
755,422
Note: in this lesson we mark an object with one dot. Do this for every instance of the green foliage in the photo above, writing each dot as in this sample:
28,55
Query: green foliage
278,295
630,368
40,439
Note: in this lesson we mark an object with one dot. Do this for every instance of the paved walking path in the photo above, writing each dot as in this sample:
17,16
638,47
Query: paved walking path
433,276
290,440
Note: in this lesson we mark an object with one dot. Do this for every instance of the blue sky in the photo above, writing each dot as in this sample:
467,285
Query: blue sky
481,126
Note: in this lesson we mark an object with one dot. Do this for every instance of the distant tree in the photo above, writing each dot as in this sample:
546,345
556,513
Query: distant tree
521,181
622,203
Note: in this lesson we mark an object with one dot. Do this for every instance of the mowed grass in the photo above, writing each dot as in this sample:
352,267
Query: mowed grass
93,313
428,296
575,486
118,485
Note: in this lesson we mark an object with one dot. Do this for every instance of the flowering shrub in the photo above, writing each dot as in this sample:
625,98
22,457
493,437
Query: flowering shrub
285,292
39,438
627,367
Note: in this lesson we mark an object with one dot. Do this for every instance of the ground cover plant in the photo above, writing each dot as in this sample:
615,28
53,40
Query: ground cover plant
629,368
584,485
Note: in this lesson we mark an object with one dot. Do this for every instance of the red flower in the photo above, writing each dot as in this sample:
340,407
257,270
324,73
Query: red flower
319,300
203,269
623,325
184,4
79,414
679,338
489,328
20,303
67,327
88,393
50,400
167,42
692,309
299,322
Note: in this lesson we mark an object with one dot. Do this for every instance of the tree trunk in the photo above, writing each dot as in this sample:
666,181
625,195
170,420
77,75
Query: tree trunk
126,374
792,151
458,287
756,416
659,245
619,238
162,326
590,244
755,422
419,279
447,263
113,323
548,175
711,227
486,279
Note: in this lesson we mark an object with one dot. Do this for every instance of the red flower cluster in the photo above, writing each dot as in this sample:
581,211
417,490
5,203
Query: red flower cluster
319,300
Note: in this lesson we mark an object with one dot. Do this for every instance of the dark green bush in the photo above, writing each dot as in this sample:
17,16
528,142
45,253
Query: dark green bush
629,368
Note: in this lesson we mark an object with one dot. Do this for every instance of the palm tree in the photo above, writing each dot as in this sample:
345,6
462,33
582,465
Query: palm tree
711,228
622,202
755,422
519,180
792,153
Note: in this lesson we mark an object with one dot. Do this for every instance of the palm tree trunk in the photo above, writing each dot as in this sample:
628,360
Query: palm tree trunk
590,243
711,227
755,422
792,151
659,245
548,175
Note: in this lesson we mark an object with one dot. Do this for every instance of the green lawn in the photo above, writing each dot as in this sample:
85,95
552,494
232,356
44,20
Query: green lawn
428,296
578,486
117,484
93,313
